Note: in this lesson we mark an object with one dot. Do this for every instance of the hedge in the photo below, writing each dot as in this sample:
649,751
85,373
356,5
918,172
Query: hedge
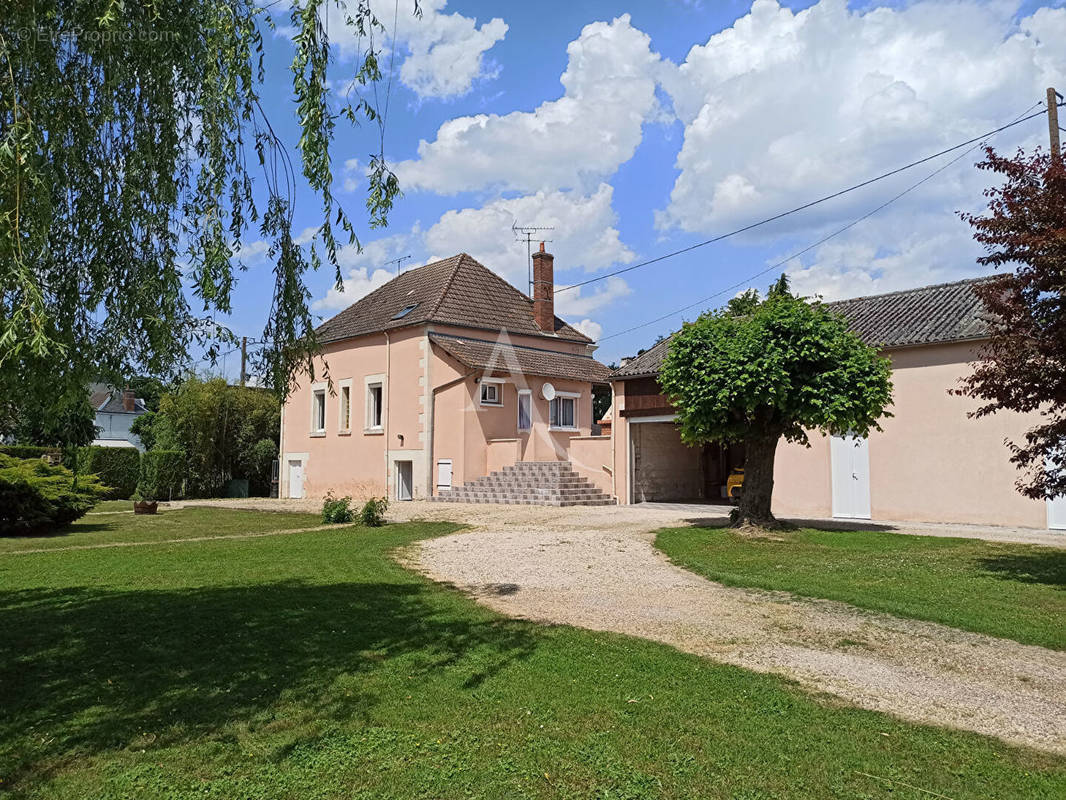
161,474
116,467
36,498
29,451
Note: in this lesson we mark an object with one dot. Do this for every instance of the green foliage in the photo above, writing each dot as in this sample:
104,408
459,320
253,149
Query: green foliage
373,513
36,498
225,431
779,367
161,475
116,467
131,137
38,409
337,509
30,451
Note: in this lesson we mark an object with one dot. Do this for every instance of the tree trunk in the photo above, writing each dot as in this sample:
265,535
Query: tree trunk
754,507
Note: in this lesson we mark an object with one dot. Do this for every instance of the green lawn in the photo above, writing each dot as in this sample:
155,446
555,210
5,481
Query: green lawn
108,528
313,666
1009,590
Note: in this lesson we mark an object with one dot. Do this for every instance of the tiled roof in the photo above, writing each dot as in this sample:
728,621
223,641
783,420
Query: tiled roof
945,312
647,363
517,359
110,402
455,291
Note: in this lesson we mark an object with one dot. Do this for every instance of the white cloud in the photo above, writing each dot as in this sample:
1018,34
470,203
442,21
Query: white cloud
359,283
575,303
785,107
573,142
591,329
584,235
366,269
442,54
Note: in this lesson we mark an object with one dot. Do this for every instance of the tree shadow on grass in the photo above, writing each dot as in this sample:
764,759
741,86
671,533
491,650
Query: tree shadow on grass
1048,568
85,670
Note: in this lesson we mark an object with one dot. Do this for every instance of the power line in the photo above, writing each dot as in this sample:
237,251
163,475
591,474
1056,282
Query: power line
803,207
823,240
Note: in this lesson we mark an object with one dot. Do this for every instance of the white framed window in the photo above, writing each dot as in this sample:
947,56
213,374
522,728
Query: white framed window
562,411
525,409
375,404
318,409
344,410
491,392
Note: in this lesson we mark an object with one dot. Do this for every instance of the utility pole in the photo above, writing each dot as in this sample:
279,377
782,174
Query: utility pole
244,358
1053,123
527,234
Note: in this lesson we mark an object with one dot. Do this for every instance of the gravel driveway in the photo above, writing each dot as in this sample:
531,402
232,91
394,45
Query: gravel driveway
596,568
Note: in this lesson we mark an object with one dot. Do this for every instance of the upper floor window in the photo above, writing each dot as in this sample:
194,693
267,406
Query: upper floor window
374,395
525,409
403,312
345,419
491,394
318,411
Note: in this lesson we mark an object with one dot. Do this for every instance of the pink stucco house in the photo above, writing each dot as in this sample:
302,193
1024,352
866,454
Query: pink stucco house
440,377
931,463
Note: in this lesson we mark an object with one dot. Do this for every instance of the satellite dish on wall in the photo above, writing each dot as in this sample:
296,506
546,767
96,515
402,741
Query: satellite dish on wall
547,391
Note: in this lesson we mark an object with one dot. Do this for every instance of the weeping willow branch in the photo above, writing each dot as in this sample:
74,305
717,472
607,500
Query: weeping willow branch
131,136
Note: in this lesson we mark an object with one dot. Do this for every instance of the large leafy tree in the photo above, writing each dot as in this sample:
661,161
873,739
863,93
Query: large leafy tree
1023,367
758,371
224,431
131,137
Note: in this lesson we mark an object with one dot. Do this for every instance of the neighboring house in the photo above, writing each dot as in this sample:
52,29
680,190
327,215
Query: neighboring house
931,462
439,377
115,412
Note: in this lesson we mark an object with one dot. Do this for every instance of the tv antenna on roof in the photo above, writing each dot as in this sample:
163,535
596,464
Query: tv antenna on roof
526,233
397,262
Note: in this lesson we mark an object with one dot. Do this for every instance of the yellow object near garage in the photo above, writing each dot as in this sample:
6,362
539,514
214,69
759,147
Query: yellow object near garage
734,484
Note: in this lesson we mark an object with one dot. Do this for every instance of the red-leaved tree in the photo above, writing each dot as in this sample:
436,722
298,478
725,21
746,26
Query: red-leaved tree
1024,364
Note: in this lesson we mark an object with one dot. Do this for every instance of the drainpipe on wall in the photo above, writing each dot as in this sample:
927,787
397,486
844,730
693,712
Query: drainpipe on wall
283,488
388,403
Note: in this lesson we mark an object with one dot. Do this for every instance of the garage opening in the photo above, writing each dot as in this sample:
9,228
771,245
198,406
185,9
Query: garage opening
664,469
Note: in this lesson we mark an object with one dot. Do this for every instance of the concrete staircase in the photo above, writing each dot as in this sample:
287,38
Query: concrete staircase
540,483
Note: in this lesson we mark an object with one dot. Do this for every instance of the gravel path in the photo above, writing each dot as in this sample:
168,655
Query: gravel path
596,568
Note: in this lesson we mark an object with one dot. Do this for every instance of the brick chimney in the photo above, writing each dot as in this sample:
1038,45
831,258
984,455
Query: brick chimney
544,290
129,403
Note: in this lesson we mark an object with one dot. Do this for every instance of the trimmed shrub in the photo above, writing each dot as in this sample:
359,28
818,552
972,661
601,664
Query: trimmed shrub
337,509
373,513
116,467
30,451
36,498
161,475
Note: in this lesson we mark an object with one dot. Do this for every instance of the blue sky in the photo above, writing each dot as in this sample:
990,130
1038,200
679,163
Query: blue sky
639,128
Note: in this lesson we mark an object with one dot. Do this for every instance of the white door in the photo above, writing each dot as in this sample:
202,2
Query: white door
444,473
1056,511
404,480
851,477
296,479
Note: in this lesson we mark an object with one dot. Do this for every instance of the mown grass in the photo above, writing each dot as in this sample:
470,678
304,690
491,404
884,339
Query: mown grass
1009,590
108,528
313,666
